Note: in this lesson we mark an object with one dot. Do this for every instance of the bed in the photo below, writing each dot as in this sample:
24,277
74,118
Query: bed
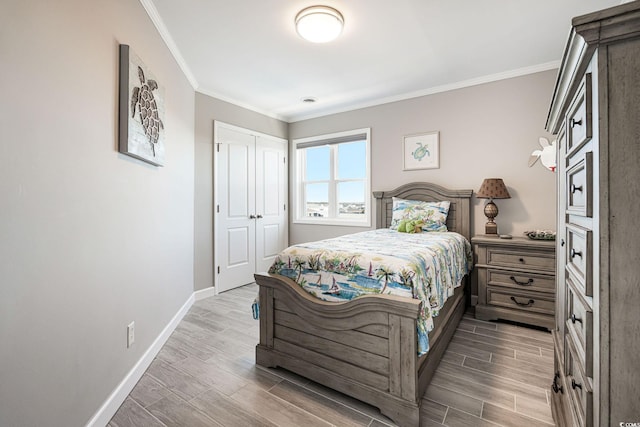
366,348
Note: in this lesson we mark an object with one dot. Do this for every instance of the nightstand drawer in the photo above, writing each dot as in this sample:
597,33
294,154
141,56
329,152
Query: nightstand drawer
506,257
579,321
521,280
521,300
579,125
579,253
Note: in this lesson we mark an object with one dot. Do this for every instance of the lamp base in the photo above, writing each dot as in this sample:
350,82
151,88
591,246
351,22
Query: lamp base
491,229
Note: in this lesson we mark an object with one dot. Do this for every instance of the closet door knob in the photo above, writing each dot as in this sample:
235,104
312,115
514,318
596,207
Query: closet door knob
252,216
575,123
575,385
575,319
575,188
259,216
575,253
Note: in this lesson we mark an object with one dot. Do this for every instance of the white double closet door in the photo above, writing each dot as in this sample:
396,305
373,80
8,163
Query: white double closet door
250,213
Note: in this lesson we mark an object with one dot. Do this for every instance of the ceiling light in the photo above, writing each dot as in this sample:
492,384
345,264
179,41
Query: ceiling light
319,24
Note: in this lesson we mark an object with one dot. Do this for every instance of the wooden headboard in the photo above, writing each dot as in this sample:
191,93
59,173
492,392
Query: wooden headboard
458,220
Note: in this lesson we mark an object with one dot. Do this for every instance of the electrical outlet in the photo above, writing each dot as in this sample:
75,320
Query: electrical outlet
131,334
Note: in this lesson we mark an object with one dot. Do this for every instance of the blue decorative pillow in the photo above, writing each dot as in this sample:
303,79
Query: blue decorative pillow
432,214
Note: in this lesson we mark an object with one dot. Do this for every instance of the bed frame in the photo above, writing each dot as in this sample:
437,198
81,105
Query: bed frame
365,348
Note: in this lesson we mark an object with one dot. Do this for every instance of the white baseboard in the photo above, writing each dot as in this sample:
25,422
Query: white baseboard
113,402
204,293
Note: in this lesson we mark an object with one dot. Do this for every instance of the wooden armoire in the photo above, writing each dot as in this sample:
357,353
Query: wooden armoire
595,113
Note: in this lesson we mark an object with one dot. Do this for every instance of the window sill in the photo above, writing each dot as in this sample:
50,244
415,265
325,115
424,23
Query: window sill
333,221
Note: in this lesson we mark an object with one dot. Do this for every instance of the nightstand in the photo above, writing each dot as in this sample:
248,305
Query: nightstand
516,279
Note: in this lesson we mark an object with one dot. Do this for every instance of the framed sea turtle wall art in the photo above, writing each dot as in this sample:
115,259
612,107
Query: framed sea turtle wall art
141,132
421,151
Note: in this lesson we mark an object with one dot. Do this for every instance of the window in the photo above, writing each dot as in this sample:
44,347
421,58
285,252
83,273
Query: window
333,179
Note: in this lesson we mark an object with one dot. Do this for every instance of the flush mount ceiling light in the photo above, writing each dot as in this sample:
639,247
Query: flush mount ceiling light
319,24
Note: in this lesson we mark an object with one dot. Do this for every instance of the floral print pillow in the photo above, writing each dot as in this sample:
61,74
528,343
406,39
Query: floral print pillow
433,214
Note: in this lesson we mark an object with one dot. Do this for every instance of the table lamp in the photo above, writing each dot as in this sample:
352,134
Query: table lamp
492,188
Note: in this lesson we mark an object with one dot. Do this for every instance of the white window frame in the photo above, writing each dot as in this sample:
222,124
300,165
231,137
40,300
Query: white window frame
298,196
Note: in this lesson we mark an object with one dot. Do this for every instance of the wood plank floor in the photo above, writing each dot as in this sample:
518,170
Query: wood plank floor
493,374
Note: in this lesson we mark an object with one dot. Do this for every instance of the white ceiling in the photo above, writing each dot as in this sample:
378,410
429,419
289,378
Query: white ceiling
247,51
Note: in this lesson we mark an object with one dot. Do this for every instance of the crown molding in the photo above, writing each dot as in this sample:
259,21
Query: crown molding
151,10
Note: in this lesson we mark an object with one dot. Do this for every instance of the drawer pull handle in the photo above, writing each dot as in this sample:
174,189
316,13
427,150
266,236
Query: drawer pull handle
561,242
575,385
575,123
575,253
523,304
575,188
575,319
529,283
555,387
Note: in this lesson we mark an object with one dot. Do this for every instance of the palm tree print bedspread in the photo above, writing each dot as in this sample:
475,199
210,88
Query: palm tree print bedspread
426,266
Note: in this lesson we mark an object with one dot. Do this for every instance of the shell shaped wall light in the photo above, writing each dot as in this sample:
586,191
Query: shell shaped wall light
319,24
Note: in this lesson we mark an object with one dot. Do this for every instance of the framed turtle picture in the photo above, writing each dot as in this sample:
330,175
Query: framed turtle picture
141,131
421,151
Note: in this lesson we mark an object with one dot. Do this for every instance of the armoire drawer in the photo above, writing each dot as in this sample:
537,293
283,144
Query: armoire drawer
579,257
579,118
505,257
578,387
521,280
579,321
579,186
521,300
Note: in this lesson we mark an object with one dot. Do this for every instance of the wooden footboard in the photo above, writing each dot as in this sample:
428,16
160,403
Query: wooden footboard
365,348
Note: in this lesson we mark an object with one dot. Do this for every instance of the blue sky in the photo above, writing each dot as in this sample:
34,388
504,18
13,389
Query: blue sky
351,164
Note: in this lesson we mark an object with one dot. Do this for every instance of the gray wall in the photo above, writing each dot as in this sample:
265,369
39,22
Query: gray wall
207,110
90,239
486,131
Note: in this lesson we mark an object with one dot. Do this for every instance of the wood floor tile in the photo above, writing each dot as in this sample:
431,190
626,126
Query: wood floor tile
452,357
209,373
541,369
184,385
508,372
481,377
501,342
462,348
171,354
227,411
322,407
134,415
482,392
148,391
457,400
175,412
503,416
537,339
433,410
532,358
481,323
274,409
534,408
476,346
457,418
